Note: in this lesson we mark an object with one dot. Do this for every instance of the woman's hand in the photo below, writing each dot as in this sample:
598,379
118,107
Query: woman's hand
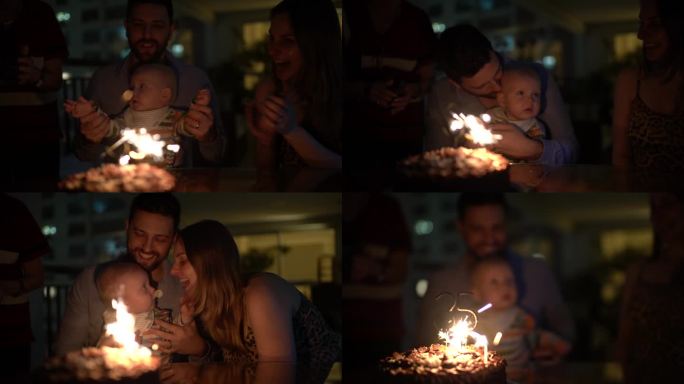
276,114
179,373
179,339
199,120
261,132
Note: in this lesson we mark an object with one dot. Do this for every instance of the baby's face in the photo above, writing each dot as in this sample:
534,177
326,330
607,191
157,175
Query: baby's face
138,293
495,284
520,96
149,91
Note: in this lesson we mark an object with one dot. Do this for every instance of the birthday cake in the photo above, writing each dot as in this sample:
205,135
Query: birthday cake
121,178
450,162
435,366
100,365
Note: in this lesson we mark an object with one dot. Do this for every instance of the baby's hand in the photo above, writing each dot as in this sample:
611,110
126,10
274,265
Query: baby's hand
79,108
203,97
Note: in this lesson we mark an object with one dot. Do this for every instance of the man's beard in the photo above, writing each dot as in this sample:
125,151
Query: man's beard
487,95
501,252
156,56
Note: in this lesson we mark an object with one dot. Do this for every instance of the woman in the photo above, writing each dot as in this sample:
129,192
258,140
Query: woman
298,111
651,337
261,318
648,117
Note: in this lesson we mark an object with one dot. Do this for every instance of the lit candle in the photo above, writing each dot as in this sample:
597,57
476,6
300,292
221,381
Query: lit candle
497,338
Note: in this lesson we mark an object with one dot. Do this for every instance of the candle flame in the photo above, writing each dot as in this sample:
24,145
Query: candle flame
497,338
477,132
484,308
123,331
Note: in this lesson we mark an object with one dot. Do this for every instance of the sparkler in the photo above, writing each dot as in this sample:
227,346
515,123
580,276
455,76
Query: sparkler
145,145
456,337
477,132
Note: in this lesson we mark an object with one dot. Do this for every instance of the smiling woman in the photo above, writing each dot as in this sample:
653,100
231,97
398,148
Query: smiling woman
648,114
258,318
296,116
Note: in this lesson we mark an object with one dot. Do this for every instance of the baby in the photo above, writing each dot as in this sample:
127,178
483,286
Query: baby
129,282
519,101
152,90
493,282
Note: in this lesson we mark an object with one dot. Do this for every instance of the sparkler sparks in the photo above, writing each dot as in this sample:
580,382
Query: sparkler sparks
477,132
145,145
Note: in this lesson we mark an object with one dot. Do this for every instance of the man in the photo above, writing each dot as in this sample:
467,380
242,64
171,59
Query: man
473,78
150,231
482,224
22,246
149,26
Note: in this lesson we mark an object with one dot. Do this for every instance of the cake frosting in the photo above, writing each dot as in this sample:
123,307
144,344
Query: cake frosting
460,162
121,178
92,365
434,365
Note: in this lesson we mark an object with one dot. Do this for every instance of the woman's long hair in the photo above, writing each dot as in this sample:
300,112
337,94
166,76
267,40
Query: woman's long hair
671,14
218,296
319,81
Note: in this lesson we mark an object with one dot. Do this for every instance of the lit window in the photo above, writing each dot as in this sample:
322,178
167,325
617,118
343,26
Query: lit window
49,230
423,227
63,17
177,50
421,287
549,62
438,27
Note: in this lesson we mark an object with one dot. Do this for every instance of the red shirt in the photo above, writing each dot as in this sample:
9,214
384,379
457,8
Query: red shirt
19,233
392,55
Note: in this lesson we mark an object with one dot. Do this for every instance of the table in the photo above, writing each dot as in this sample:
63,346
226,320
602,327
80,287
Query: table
227,373
247,180
563,373
527,178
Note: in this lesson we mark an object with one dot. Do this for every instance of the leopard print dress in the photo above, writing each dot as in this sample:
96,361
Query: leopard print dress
317,346
656,140
655,350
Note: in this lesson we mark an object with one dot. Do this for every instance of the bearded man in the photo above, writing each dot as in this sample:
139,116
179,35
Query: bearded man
149,27
150,231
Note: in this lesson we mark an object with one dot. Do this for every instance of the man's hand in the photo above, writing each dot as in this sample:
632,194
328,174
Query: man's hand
95,126
514,143
79,108
199,120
